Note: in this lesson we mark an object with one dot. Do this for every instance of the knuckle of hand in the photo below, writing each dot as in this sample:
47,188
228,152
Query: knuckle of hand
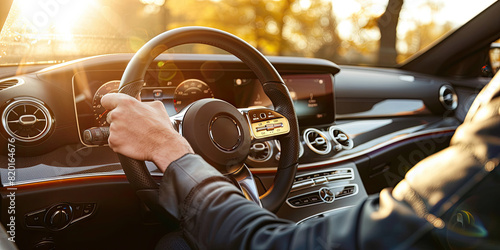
128,102
115,114
158,104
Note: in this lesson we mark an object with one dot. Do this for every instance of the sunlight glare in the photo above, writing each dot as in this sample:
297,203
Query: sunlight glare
345,9
53,16
345,29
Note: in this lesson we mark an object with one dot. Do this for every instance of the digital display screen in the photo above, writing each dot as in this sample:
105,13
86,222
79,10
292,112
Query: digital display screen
312,96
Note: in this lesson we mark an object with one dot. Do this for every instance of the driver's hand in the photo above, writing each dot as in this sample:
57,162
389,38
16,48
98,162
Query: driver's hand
143,131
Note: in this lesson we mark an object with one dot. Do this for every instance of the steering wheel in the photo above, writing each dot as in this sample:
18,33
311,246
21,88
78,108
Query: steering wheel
216,130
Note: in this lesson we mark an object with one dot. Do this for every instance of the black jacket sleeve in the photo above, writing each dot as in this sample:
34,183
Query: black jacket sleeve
416,214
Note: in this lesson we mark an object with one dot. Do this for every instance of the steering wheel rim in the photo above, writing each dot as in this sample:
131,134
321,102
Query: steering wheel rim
273,86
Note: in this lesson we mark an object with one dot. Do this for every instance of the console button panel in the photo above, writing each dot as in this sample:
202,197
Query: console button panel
59,216
315,197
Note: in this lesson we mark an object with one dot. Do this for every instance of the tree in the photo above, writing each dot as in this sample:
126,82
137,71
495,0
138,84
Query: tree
281,27
387,24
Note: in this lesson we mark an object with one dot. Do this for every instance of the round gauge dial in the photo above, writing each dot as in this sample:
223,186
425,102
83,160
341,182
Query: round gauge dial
99,111
190,91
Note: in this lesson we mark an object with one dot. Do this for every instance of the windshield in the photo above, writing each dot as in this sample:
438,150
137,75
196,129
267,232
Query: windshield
358,32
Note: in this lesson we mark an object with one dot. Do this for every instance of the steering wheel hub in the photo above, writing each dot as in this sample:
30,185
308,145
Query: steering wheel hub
218,132
225,133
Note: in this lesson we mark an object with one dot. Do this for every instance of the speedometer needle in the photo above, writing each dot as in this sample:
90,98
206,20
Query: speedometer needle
101,115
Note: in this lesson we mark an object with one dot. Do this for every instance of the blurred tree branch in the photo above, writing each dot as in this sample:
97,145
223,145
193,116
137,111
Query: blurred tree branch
387,24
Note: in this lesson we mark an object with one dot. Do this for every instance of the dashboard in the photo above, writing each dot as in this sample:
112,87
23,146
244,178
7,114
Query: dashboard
360,130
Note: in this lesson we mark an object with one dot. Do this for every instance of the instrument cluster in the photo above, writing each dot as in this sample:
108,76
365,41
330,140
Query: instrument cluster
312,94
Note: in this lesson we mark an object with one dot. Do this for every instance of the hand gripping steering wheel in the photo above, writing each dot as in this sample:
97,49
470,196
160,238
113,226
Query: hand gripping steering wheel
216,130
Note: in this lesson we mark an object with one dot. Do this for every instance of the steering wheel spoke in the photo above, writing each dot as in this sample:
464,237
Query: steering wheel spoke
246,183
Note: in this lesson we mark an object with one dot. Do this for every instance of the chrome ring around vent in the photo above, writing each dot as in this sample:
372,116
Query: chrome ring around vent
26,119
261,146
320,140
448,97
341,139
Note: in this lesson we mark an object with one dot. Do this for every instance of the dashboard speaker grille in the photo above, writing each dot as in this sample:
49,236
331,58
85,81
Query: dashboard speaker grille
317,141
10,82
27,120
448,97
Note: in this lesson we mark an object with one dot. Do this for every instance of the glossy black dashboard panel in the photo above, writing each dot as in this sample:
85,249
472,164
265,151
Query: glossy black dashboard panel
312,93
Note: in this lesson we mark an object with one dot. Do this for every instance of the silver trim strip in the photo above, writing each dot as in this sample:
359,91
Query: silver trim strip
58,178
315,164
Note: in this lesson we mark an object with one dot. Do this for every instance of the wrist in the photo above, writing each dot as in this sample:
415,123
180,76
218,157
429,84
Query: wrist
171,151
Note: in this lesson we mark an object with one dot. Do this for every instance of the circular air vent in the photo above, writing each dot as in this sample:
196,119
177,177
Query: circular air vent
260,151
340,138
27,120
448,97
317,141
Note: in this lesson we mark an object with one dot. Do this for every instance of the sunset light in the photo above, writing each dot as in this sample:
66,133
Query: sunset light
60,30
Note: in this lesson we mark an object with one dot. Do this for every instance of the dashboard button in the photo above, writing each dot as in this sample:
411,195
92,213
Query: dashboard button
88,209
77,210
296,202
320,180
35,219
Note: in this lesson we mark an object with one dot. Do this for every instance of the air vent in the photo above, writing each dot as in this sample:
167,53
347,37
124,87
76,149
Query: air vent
317,141
448,97
341,139
10,82
27,120
260,152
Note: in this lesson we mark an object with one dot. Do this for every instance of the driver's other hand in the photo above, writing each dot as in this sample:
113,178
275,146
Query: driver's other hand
143,131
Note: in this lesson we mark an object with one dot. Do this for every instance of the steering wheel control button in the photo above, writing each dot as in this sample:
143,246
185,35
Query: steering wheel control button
35,219
267,123
225,133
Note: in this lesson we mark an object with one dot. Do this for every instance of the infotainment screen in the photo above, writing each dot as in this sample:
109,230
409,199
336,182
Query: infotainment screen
312,95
